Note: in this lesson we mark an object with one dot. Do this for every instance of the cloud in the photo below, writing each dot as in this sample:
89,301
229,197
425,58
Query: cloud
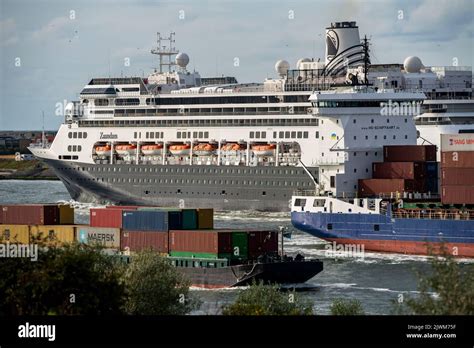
49,30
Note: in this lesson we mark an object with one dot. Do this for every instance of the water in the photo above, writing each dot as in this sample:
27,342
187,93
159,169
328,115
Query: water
376,280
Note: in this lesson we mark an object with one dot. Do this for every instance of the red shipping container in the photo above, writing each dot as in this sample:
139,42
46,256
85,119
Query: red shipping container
457,194
139,240
375,187
30,214
261,242
457,176
457,159
398,170
201,241
409,153
100,217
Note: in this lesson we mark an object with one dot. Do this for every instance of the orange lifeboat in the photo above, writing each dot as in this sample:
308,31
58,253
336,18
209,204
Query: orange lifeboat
103,150
180,149
264,150
127,149
204,149
151,150
232,147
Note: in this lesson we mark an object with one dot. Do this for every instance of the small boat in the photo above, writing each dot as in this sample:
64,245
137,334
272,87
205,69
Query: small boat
102,150
204,149
180,149
125,150
264,150
151,150
232,147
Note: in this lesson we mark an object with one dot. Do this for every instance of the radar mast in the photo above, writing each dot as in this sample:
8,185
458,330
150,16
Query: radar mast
165,52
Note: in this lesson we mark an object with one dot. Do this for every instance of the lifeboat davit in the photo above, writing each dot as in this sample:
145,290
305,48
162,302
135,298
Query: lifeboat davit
103,150
264,150
180,150
127,149
151,150
204,149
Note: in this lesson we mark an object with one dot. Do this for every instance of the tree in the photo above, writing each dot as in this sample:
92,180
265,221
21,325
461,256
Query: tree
346,307
447,290
260,299
155,287
75,279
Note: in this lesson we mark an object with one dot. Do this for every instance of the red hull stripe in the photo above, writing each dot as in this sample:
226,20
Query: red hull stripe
405,247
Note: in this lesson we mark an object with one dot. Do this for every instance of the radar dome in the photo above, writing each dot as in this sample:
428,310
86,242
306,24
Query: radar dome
182,59
412,64
302,60
281,67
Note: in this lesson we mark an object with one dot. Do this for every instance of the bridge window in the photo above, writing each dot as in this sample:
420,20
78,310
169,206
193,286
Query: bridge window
300,202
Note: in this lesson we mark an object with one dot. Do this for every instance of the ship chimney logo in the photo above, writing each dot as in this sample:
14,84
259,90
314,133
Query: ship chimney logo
451,141
332,43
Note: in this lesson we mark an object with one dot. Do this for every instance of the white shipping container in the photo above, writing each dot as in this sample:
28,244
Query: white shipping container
105,236
457,142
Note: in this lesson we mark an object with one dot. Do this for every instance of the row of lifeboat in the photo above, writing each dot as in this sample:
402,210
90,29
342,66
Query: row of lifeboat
201,149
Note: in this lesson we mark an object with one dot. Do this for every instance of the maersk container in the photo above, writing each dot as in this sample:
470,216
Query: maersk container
457,194
457,159
375,187
398,170
145,220
139,240
205,218
409,153
53,234
190,219
457,176
66,214
106,217
15,234
107,237
30,214
262,242
457,142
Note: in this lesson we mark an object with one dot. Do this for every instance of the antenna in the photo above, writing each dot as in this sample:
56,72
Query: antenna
165,52
43,138
365,45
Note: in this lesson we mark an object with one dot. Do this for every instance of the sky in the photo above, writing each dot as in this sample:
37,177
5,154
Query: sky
50,49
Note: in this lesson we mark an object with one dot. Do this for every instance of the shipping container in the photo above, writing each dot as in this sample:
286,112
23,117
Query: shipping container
239,245
375,187
196,255
457,176
201,241
431,169
15,234
205,218
122,207
53,234
31,214
457,194
409,153
107,237
106,217
190,219
1,214
139,240
66,214
262,242
175,217
398,170
432,185
145,220
457,142
457,159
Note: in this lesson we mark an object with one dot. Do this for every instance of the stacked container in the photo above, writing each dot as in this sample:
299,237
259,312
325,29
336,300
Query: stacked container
457,168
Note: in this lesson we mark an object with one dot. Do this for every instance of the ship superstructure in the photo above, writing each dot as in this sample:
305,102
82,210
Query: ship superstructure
179,138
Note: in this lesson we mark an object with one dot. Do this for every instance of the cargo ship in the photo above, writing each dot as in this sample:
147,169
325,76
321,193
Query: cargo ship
176,137
393,216
208,257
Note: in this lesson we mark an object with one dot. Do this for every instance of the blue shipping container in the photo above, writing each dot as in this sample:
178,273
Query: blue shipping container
145,220
432,169
432,185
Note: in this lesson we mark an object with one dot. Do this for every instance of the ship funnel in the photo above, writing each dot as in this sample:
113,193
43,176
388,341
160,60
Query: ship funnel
343,46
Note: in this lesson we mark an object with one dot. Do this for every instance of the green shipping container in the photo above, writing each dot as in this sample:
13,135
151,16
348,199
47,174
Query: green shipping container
189,219
192,254
239,245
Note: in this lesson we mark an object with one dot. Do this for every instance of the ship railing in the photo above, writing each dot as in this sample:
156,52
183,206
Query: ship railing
433,214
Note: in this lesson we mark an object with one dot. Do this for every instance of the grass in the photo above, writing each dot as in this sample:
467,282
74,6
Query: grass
18,165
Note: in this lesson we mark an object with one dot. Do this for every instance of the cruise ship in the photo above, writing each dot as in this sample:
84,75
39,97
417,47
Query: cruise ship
176,138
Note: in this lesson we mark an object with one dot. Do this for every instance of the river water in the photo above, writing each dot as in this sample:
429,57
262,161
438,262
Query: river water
376,279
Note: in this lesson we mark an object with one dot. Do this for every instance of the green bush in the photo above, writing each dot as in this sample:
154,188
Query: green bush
346,307
155,287
260,299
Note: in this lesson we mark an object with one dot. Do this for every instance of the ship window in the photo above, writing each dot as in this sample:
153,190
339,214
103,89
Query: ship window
74,148
69,148
355,137
406,136
366,137
252,135
257,135
264,135
388,120
305,135
406,120
385,137
178,135
300,202
162,134
366,170
200,135
206,134
355,170
79,135
274,135
376,227
317,135
329,226
293,135
69,135
79,148
135,135
332,181
152,135
354,121
394,137
375,137
74,135
287,135
85,135
280,134
372,121
299,135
